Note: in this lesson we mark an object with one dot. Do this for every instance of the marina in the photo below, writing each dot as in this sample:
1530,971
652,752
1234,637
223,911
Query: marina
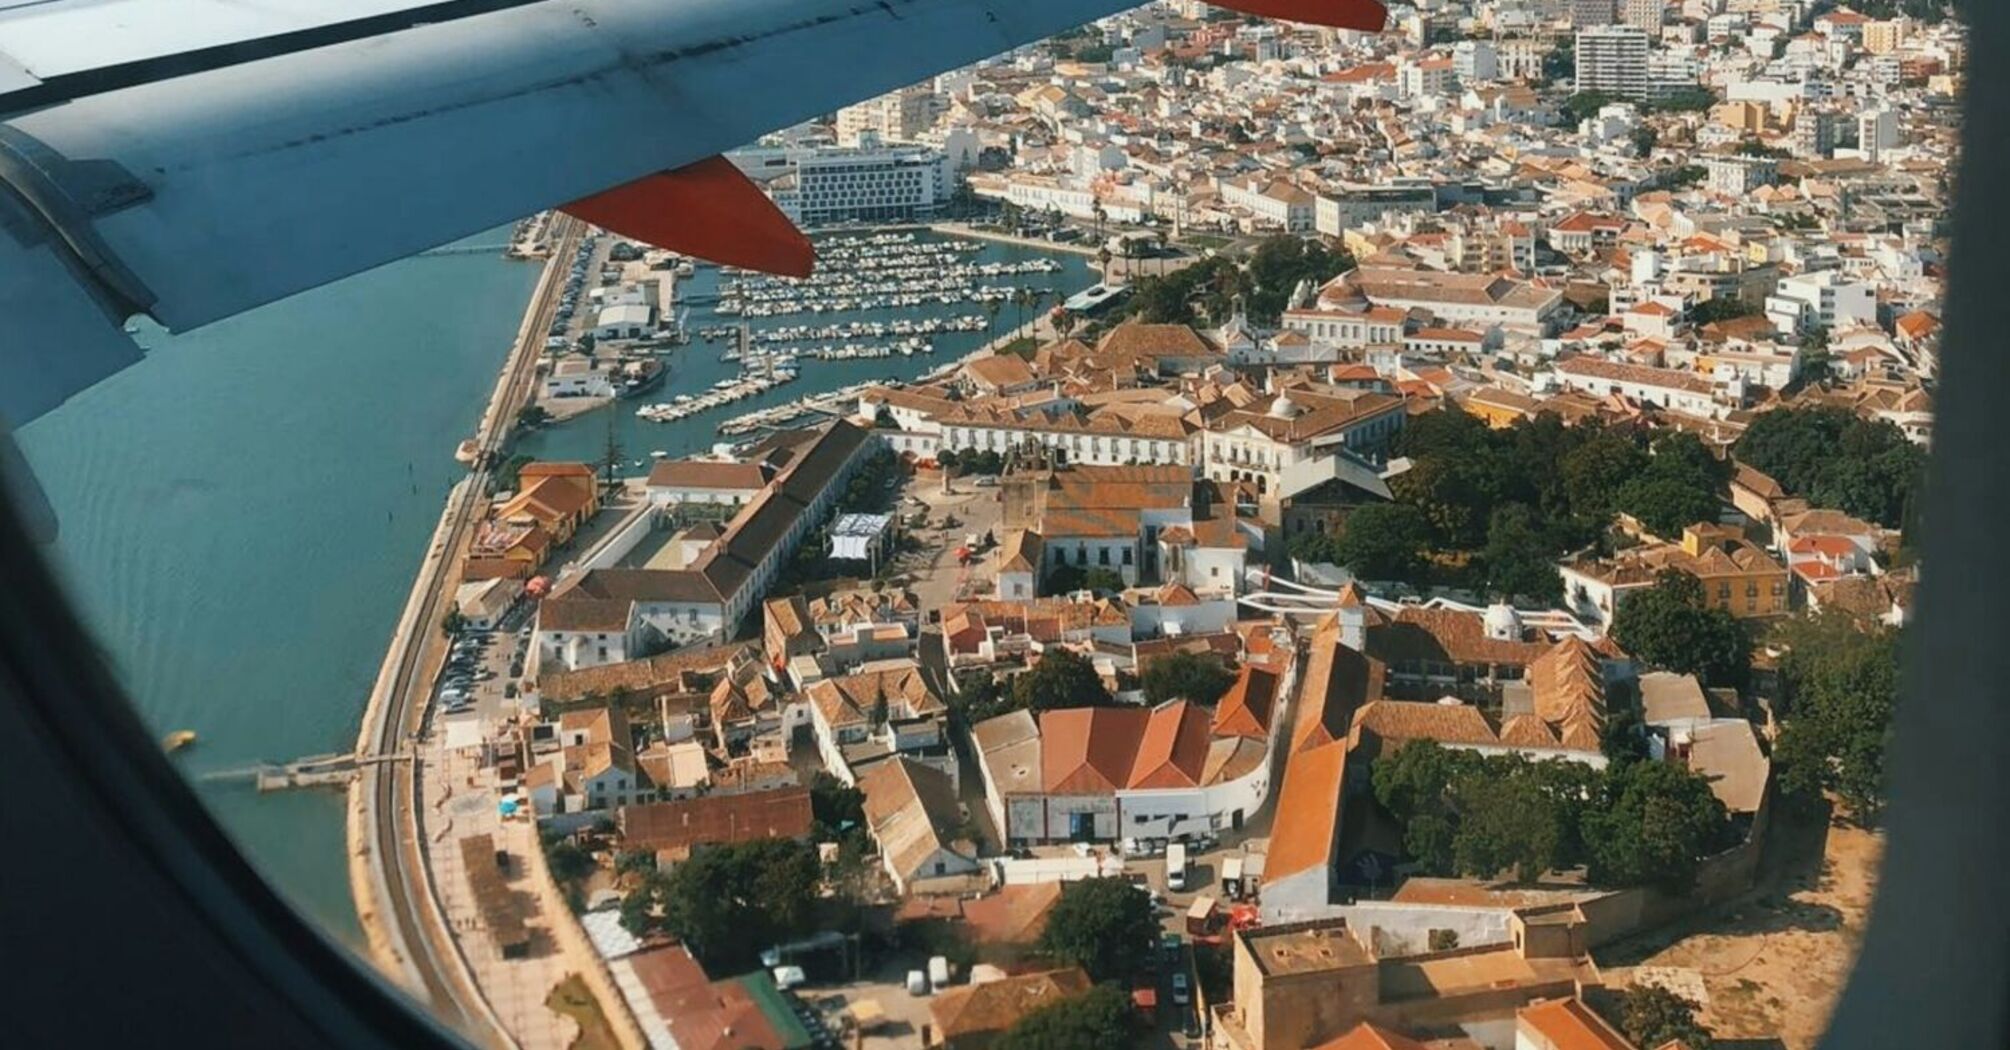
741,375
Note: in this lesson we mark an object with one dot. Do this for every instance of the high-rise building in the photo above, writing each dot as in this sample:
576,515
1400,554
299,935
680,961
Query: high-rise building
1475,61
1814,132
1613,59
1876,131
1585,13
1644,14
897,116
835,184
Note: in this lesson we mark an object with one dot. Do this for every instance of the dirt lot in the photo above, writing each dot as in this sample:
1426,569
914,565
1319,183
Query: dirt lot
1774,964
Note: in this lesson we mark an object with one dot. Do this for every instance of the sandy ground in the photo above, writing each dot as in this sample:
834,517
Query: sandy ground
1773,964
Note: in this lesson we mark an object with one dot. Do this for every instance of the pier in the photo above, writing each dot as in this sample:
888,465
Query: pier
331,770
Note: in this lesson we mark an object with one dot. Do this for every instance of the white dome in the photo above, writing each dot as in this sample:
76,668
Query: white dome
1502,622
1283,407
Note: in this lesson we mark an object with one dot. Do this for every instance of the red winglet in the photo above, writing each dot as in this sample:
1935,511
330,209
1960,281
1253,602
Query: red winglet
1369,16
708,209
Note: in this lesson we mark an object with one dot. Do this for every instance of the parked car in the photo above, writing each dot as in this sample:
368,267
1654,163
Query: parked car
1182,992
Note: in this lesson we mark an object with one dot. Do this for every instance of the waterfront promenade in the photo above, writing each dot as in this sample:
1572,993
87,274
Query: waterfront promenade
398,901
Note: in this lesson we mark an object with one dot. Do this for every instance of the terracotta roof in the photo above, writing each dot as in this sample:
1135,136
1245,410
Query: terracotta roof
1016,914
1245,710
602,615
1615,371
851,698
1445,636
1173,749
1395,721
1367,1036
1337,681
970,1010
701,1015
1134,340
666,671
1089,750
1527,731
909,807
678,825
1568,684
1566,1024
707,474
1308,811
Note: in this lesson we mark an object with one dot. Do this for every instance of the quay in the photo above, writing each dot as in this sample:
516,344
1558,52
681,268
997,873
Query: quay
331,770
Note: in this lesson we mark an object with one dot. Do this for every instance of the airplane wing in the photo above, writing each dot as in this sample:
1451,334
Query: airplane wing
191,159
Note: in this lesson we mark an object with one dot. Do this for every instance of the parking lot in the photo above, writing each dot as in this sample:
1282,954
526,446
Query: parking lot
480,682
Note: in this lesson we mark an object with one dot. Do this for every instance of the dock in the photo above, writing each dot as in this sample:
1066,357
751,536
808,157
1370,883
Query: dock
331,770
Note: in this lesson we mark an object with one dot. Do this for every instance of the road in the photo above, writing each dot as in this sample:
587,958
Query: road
396,840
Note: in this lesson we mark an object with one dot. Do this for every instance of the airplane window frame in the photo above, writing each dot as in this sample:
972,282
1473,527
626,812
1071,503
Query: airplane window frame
177,929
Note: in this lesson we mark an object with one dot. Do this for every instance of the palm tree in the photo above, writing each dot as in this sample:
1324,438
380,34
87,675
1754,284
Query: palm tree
1103,257
1021,298
991,308
1039,299
1097,211
1160,235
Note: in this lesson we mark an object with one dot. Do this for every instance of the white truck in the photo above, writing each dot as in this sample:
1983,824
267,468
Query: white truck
1176,871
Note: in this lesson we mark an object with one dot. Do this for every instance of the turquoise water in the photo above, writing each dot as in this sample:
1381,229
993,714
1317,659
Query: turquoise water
242,513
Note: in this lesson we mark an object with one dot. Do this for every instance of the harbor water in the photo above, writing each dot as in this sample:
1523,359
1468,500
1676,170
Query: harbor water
243,512
697,365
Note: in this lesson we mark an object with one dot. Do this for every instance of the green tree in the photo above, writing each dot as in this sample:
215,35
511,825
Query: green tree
1722,308
1518,557
1509,821
1102,580
1651,1016
1655,824
1839,681
1665,503
1679,486
1385,541
1062,678
835,806
1192,676
1687,100
1835,458
1103,925
1415,783
1584,105
1101,1017
729,901
452,623
1278,265
1668,626
1595,471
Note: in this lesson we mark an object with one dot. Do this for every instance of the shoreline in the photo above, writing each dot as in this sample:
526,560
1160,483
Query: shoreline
369,873
957,229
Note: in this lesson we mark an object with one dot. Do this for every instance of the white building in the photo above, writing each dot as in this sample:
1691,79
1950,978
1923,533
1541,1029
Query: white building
1101,774
1737,176
1476,61
1613,59
833,184
1667,387
577,377
1822,300
895,117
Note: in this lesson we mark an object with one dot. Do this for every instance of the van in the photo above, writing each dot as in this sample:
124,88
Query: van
1176,867
938,973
